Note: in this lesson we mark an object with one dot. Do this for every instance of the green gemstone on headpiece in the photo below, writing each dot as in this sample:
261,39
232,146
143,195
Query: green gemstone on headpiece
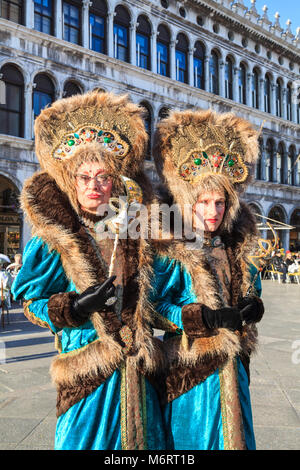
197,161
107,140
230,163
205,155
71,142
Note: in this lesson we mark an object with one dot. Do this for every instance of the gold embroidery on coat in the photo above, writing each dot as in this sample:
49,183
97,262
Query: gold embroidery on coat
233,430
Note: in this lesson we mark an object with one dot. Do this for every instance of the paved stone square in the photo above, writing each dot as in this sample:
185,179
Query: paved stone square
27,397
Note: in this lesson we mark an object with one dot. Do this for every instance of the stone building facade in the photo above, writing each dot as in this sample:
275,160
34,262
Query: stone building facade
166,55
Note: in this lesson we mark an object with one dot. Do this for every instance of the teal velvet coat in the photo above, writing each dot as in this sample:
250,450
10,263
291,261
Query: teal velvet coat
104,399
194,420
205,391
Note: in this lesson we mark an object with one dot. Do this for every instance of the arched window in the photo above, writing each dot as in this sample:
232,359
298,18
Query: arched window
182,58
280,164
269,160
143,46
278,98
98,14
163,51
267,94
43,16
242,84
148,125
12,10
229,78
289,102
121,34
255,89
72,21
71,89
199,55
163,113
10,230
12,111
43,93
214,73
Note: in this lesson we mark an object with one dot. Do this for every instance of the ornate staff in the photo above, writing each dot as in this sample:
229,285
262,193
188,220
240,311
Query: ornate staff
263,256
119,222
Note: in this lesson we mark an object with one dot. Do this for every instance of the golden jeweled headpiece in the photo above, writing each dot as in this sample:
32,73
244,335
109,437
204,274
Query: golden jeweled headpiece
70,142
71,124
214,158
189,144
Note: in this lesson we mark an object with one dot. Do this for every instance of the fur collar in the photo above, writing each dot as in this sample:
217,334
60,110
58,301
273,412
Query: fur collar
239,243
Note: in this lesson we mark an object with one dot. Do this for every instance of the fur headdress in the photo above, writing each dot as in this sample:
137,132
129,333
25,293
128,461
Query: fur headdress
198,150
90,127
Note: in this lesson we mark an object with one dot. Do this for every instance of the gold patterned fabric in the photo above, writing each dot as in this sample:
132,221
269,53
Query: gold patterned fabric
232,420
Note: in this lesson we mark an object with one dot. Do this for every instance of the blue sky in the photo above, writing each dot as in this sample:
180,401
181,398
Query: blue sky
288,9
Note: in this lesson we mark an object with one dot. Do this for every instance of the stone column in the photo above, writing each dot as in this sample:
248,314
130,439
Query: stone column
249,89
29,14
172,60
153,49
86,24
58,19
191,66
132,43
273,99
235,85
110,33
206,73
28,110
295,101
222,78
284,103
263,162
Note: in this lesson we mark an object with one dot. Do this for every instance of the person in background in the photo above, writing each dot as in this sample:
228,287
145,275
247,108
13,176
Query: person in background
6,281
15,267
291,263
280,265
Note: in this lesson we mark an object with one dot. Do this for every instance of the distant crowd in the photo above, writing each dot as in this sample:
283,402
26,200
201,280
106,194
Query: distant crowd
284,263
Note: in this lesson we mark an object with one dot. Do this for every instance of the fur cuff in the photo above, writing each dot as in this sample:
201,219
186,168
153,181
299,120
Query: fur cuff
193,325
60,310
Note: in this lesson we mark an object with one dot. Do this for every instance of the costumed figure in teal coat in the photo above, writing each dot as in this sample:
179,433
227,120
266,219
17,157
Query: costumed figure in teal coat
89,289
205,297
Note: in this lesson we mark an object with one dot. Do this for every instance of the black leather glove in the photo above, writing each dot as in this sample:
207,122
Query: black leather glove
93,299
226,317
251,309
